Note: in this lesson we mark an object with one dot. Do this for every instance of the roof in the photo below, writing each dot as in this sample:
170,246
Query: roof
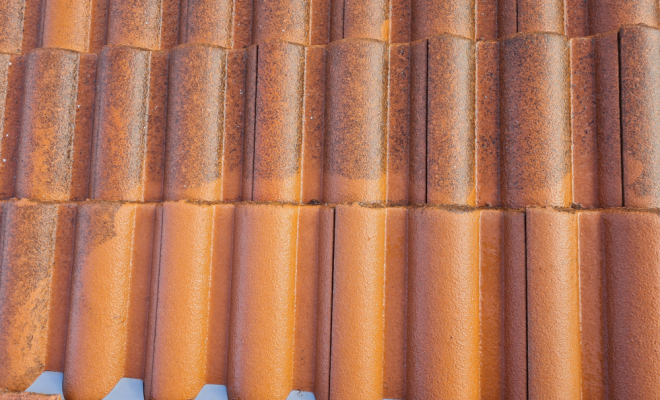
361,199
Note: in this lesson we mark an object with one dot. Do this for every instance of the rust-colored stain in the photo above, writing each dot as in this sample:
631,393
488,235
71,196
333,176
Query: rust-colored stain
362,199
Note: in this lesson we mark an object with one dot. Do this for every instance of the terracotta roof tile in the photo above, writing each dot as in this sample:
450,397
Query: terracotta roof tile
553,309
56,125
324,298
149,24
592,306
191,283
487,124
515,305
286,148
37,244
357,352
454,17
443,322
74,25
450,122
574,18
535,117
596,125
11,95
608,15
491,324
540,16
270,246
129,125
20,21
355,164
357,199
639,116
608,121
631,239
109,297
297,21
153,25
221,23
203,160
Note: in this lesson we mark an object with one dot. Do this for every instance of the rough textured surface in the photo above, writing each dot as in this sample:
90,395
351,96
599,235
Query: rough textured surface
491,299
56,129
357,353
609,15
37,242
129,125
592,303
515,305
631,260
220,23
203,159
11,100
87,26
355,164
640,116
443,304
190,285
487,124
450,126
535,121
454,17
109,297
371,199
262,321
608,121
553,306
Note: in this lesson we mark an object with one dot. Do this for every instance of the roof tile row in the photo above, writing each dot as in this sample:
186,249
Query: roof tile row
534,119
160,25
339,300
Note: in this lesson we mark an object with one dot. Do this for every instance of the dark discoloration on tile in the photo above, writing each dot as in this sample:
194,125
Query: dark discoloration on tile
610,15
453,17
204,143
56,131
129,125
583,122
148,24
278,132
355,162
535,121
418,123
487,121
34,289
12,72
20,22
640,116
541,16
608,121
450,121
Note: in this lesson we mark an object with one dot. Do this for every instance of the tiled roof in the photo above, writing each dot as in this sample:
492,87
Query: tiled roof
416,199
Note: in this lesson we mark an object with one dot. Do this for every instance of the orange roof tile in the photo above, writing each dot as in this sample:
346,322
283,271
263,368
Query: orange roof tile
359,199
